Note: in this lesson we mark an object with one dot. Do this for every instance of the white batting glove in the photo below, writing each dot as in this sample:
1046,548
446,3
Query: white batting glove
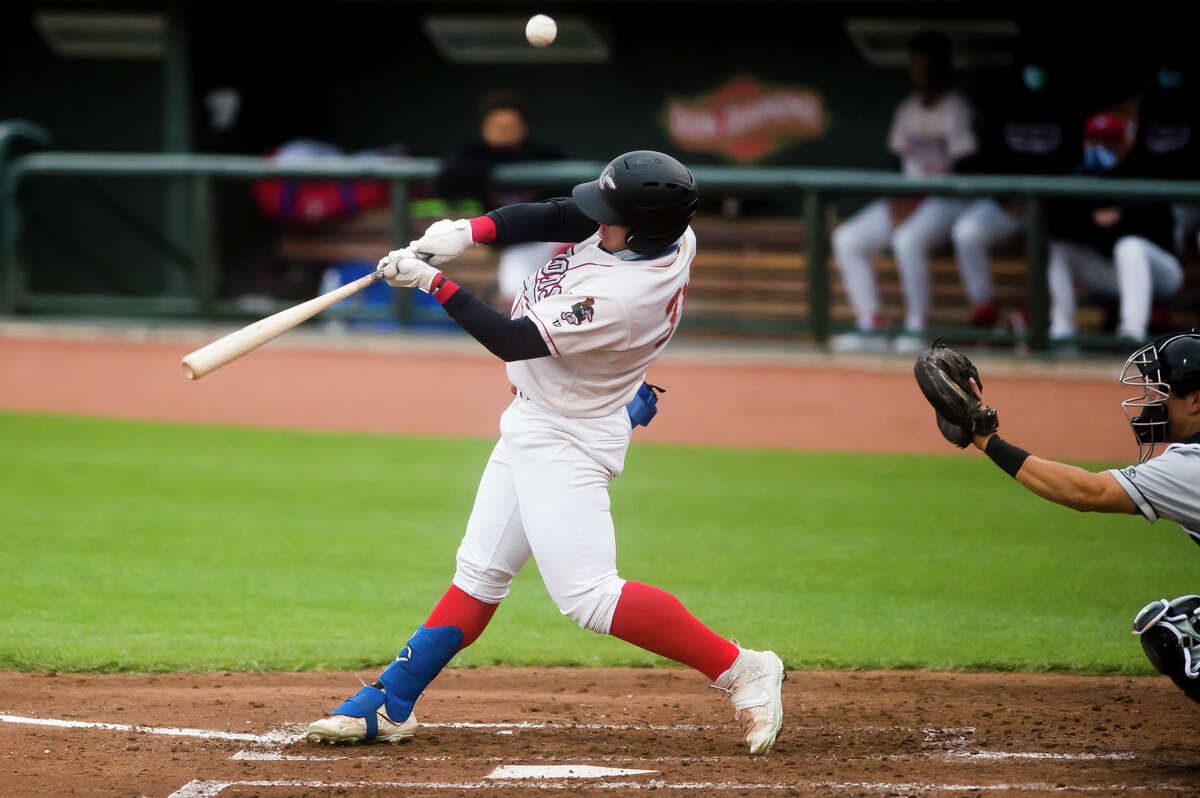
443,241
402,269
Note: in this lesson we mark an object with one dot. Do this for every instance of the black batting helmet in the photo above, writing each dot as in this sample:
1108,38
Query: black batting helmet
649,192
1170,365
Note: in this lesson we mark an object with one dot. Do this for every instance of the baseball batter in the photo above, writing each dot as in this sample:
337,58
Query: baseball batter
582,333
1166,412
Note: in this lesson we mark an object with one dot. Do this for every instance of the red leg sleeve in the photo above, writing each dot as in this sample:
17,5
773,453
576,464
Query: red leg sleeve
655,620
458,609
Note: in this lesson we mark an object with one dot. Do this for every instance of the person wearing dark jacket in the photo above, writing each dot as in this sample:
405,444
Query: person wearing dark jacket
1120,249
503,139
1031,132
1166,146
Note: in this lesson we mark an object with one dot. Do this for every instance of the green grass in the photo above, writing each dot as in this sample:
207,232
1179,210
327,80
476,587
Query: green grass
137,546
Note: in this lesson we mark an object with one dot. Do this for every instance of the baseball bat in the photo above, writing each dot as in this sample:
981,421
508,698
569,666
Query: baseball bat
224,350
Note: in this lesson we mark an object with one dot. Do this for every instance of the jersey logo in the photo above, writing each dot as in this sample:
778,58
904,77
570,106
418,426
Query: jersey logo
547,281
1130,473
578,314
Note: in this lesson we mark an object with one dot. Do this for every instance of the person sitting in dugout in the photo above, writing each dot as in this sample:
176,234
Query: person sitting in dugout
1113,248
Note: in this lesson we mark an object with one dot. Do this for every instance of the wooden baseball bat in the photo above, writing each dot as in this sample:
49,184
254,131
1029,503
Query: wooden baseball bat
240,342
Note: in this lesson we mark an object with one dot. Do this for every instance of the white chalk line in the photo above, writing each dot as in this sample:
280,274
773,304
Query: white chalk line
270,738
283,737
1069,757
279,738
278,756
977,755
558,772
211,789
534,725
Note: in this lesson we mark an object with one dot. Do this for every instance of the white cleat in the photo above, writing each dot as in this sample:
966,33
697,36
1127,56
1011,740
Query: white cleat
345,730
754,684
856,342
909,344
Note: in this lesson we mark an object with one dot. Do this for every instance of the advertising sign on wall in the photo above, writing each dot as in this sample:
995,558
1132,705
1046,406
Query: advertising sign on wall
745,119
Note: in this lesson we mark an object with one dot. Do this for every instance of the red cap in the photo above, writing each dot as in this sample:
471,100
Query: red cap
1107,127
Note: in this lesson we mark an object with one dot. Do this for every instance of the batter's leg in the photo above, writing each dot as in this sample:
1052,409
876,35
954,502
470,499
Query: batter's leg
562,492
492,552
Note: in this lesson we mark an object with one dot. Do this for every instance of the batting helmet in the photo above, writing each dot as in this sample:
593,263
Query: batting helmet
649,192
1170,365
1170,636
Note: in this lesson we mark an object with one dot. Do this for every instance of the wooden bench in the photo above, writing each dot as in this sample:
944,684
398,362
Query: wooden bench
750,274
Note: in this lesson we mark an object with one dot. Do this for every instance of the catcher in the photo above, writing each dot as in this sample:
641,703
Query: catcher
1167,411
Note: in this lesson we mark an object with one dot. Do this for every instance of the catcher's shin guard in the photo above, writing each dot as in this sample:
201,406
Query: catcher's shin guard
1170,635
427,652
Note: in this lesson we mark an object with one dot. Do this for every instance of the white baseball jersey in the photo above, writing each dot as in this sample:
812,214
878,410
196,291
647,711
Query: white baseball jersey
929,139
1167,486
605,318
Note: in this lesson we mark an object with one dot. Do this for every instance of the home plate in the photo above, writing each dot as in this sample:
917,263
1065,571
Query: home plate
560,772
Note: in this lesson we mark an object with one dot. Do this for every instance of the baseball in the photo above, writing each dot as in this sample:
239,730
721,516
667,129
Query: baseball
540,30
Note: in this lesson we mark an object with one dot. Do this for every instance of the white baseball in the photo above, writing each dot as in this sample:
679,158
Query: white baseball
540,30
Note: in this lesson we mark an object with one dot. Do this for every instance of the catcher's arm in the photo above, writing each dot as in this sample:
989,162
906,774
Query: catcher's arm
1068,485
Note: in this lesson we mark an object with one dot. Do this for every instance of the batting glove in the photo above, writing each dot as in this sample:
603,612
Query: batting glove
443,241
402,269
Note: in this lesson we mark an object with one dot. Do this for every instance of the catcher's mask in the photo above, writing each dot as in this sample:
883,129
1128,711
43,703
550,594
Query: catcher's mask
1169,365
1147,414
1170,635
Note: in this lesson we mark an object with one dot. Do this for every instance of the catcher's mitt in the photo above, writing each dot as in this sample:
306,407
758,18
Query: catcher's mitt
944,377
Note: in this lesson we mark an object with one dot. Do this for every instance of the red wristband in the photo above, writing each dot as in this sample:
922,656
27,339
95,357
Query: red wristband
483,230
443,288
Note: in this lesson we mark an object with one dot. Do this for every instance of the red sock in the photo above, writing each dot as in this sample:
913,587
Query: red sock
658,622
470,615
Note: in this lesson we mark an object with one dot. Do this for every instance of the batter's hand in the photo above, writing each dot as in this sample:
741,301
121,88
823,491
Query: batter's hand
402,269
443,241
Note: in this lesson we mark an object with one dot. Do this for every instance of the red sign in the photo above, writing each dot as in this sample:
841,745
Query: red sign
745,119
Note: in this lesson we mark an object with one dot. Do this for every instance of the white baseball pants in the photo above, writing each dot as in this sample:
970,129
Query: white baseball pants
1137,271
545,492
980,226
871,231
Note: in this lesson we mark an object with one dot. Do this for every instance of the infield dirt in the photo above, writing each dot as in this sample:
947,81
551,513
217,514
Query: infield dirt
868,733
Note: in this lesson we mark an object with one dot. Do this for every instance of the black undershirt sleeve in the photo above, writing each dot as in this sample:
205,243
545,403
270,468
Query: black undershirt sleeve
507,339
553,220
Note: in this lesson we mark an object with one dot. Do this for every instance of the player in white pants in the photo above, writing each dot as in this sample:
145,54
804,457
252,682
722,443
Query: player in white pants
1116,250
983,224
1029,130
1137,271
931,131
582,332
874,229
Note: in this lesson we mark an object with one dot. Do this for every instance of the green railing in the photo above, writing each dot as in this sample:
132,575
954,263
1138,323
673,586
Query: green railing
816,187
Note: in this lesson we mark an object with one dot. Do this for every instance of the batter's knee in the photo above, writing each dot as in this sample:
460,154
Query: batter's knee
486,584
593,607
